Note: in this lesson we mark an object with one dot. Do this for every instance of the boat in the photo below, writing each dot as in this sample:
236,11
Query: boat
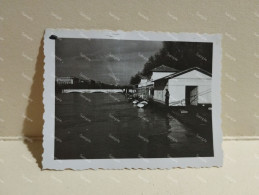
135,102
142,104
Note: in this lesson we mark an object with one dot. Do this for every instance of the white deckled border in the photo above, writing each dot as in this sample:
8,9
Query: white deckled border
147,163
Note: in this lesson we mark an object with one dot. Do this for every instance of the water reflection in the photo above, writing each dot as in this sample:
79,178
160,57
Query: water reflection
113,126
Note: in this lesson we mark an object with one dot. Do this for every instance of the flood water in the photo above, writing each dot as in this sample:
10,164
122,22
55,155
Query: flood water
100,126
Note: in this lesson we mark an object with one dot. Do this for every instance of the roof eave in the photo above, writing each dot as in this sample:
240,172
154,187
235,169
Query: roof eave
185,71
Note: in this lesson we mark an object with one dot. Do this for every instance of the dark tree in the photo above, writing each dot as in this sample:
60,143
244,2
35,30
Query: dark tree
135,79
180,56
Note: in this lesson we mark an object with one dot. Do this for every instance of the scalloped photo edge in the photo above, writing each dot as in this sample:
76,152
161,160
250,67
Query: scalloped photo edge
50,162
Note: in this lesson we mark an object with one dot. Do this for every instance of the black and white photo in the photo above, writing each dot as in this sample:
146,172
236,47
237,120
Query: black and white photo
131,100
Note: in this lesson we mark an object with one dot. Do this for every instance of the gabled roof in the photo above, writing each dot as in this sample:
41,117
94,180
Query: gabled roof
163,68
185,71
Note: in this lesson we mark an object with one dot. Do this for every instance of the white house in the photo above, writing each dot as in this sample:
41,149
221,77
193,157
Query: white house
161,72
146,86
188,87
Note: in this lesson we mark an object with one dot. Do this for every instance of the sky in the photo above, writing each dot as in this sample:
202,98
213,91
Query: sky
106,60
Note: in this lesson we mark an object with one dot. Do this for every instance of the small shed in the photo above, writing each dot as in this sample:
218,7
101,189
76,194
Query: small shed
188,87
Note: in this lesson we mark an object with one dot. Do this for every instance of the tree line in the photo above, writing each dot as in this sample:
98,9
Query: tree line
178,55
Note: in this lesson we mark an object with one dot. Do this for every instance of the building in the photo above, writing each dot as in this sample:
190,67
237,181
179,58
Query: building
162,71
188,87
142,89
65,80
146,86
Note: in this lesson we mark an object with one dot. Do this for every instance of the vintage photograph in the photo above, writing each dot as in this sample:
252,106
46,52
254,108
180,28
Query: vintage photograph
132,99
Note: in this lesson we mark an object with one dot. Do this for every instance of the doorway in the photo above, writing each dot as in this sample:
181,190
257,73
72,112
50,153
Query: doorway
191,95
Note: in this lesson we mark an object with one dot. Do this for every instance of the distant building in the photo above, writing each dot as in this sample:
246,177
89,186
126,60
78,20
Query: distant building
65,80
188,87
143,88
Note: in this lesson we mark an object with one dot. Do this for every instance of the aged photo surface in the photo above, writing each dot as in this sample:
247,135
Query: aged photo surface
132,99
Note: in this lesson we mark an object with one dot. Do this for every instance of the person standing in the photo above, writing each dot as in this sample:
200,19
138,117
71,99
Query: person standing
167,95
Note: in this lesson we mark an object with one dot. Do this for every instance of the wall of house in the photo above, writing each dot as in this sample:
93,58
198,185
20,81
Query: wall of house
177,86
159,91
158,96
177,95
204,92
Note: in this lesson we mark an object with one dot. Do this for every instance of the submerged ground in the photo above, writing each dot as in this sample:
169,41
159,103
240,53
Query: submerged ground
99,126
